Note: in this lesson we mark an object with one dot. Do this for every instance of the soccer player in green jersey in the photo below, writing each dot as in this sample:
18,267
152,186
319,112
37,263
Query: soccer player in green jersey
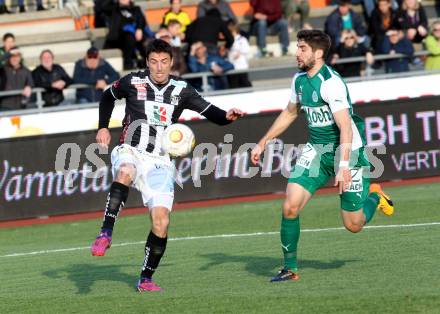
335,148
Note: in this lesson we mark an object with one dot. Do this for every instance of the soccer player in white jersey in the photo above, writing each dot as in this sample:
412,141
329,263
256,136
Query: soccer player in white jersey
154,100
335,149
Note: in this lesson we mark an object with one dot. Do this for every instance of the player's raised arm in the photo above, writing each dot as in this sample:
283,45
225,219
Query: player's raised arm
282,122
211,112
106,106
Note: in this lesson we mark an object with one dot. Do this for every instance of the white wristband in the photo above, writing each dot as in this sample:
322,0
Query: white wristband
343,164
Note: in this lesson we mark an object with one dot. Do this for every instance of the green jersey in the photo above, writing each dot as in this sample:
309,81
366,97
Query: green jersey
320,97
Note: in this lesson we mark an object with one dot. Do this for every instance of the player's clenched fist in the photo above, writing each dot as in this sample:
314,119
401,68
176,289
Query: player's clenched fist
256,153
103,137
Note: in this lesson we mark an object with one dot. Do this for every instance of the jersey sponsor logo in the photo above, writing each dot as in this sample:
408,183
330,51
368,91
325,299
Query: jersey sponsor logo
308,153
319,116
159,114
141,91
178,83
138,81
356,181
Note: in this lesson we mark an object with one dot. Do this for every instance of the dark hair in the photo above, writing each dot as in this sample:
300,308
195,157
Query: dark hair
232,25
214,12
171,1
8,35
316,39
46,51
173,22
158,46
344,2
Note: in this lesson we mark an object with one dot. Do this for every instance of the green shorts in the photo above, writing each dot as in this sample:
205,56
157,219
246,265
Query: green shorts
312,172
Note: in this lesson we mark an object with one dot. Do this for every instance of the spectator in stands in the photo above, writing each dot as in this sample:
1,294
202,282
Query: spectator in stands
4,8
437,7
126,32
175,13
15,76
268,18
200,60
291,7
348,48
432,43
396,42
8,43
343,17
52,77
380,22
412,19
103,12
238,55
22,8
39,3
179,63
367,5
177,36
222,6
93,70
208,29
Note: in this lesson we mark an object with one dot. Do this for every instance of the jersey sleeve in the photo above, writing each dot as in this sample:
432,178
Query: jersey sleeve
293,95
193,101
334,92
120,88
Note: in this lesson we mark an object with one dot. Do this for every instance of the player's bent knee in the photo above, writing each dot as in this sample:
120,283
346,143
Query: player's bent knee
160,221
290,210
353,227
126,173
160,227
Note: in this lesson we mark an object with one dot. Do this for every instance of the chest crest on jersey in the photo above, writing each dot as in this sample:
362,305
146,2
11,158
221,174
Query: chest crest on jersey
175,100
315,96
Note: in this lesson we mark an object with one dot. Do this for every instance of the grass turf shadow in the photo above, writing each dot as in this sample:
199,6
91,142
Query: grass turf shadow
265,266
85,275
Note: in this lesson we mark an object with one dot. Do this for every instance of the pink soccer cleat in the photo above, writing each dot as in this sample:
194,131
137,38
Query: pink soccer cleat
147,284
102,243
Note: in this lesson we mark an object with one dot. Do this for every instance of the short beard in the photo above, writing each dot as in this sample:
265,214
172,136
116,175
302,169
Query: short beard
307,66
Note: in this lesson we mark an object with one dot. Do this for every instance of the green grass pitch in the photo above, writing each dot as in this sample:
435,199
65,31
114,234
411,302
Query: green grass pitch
380,270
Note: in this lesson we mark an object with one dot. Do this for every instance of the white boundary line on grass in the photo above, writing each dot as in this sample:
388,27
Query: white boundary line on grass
219,236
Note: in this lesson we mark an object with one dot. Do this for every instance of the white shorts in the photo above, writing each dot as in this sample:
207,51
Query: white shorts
154,176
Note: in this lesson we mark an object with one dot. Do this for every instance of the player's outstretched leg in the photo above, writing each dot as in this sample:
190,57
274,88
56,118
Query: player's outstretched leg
296,199
115,201
154,249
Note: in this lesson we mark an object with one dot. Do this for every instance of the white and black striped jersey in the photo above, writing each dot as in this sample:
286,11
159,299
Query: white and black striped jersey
150,108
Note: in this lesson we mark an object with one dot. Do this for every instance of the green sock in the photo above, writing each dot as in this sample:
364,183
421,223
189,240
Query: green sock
370,206
289,241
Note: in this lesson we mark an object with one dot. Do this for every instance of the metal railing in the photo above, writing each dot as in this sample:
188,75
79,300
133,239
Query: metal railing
38,92
204,76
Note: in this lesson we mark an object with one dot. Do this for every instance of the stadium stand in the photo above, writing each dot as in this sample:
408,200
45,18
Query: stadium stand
69,32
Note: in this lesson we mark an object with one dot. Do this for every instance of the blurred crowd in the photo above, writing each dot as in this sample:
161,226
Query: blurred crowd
217,41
